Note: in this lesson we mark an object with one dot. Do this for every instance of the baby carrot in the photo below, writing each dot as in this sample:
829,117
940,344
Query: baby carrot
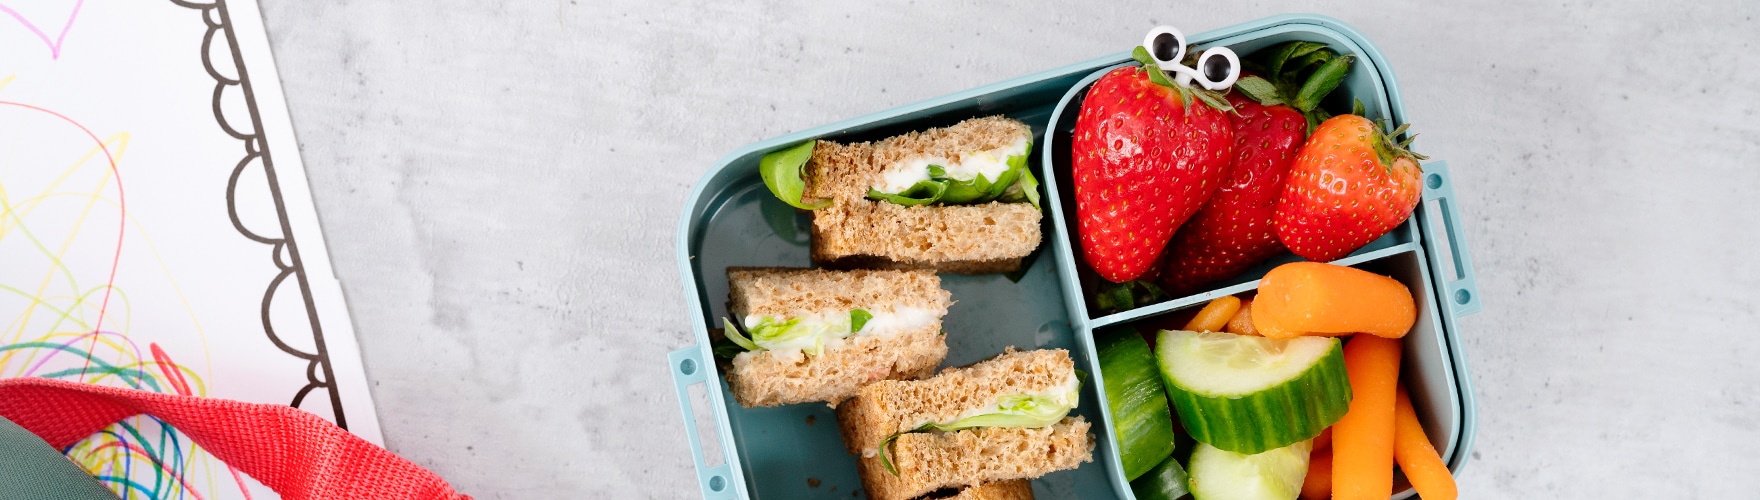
1242,322
1324,440
1415,455
1318,484
1310,298
1214,315
1362,441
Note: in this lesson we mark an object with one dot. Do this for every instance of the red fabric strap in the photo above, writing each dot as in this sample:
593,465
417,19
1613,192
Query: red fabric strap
297,454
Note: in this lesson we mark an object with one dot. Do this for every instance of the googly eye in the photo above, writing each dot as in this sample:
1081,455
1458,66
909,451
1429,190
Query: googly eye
1218,68
1166,45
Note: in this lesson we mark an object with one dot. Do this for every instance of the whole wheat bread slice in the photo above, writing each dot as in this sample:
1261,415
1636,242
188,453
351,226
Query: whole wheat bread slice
768,378
789,292
856,232
930,461
1019,489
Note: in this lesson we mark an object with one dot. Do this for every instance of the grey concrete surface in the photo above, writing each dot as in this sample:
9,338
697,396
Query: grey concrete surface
499,184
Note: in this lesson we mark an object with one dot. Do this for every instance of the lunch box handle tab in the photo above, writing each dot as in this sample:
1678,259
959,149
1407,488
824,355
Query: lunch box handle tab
1457,285
687,368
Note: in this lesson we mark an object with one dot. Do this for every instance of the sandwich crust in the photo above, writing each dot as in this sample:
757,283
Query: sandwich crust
929,461
858,232
1019,489
791,292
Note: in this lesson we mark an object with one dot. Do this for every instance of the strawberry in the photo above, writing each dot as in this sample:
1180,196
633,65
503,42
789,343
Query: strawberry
1349,184
1235,230
1146,156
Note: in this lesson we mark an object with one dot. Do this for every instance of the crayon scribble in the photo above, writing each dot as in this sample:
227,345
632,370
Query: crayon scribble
73,322
54,45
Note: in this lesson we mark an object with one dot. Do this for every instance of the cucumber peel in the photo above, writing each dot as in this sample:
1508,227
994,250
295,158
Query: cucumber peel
1167,481
1249,394
1142,424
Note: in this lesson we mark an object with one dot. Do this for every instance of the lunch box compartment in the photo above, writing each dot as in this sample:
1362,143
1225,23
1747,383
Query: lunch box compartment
795,451
1362,84
1435,395
735,221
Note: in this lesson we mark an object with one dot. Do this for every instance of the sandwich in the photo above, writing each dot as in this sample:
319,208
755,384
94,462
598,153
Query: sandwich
805,335
957,199
1018,489
1003,419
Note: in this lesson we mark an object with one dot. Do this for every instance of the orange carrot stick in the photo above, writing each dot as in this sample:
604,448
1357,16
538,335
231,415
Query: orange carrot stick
1415,455
1242,322
1214,315
1324,440
1318,484
1362,441
1310,298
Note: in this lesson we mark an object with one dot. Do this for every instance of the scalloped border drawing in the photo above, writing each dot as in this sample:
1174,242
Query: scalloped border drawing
271,130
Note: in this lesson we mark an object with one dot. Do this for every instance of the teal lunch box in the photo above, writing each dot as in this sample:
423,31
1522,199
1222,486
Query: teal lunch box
795,451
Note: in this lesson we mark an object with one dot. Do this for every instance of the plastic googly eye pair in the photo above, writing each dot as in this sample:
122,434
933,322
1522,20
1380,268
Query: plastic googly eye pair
1218,67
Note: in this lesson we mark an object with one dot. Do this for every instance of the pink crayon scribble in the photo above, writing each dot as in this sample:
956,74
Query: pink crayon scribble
54,45
122,208
174,377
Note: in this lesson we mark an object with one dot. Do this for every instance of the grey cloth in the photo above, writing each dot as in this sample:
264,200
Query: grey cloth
30,469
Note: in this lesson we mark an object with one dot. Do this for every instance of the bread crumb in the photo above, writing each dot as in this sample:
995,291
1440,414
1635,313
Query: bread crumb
812,482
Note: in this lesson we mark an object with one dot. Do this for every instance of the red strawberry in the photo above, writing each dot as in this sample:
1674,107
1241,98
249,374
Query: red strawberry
1234,231
1350,183
1146,156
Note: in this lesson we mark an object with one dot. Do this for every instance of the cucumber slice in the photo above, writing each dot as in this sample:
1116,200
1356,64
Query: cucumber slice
1142,423
1249,394
1166,482
1219,474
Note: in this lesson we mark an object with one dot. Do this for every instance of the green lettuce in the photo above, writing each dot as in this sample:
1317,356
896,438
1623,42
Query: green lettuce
857,319
1026,190
965,192
771,333
1020,410
1017,410
781,171
732,332
921,193
1014,185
